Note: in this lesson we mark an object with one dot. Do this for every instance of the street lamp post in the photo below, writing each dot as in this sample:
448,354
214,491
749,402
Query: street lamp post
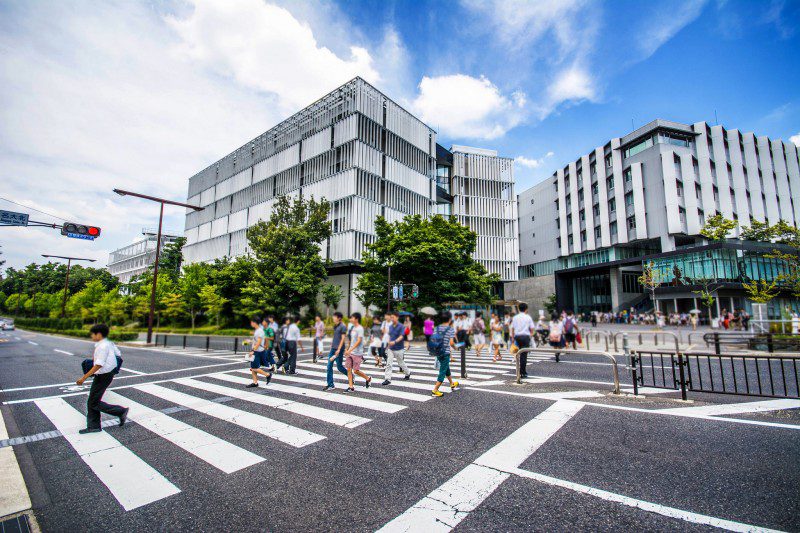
162,201
66,280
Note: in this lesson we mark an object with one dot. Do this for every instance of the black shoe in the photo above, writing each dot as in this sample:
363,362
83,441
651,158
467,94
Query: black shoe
407,377
123,417
350,389
386,382
251,385
327,388
84,431
366,385
269,378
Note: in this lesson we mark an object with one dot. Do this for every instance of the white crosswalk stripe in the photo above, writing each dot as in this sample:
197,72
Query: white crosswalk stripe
217,452
132,481
280,431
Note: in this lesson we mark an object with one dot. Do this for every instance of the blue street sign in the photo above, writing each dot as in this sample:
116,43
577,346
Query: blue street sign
399,292
79,236
10,218
394,292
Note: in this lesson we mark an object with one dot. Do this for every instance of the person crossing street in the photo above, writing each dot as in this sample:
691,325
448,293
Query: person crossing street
395,348
337,350
354,355
104,366
440,344
258,353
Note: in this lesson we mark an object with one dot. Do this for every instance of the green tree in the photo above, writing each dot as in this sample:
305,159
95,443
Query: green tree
717,227
171,259
650,280
174,308
757,231
194,278
212,301
2,300
550,304
760,291
784,233
331,296
288,268
435,253
82,303
706,293
230,276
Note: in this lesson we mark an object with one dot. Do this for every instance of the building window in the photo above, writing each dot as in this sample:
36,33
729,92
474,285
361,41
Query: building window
612,205
680,189
627,175
533,235
597,232
631,222
596,210
582,216
608,161
610,183
531,201
558,241
569,240
583,236
580,195
558,223
613,228
629,198
595,188
639,147
569,219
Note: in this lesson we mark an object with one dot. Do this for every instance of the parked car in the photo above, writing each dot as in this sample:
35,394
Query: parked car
8,325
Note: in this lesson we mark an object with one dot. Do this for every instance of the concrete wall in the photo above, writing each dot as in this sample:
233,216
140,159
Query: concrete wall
533,291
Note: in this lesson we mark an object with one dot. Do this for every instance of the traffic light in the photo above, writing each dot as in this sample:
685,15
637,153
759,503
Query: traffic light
80,231
414,291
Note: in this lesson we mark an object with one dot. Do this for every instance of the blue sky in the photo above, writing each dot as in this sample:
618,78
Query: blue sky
141,95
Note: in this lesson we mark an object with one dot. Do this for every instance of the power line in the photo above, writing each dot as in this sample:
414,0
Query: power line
31,208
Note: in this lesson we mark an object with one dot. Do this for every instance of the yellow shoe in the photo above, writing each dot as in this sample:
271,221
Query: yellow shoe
437,393
454,385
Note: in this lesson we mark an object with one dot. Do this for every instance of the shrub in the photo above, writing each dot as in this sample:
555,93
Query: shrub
49,323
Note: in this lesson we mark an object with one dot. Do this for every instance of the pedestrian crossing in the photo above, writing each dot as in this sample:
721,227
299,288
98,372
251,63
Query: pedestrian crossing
292,412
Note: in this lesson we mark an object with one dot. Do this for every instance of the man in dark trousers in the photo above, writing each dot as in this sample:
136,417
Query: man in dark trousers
105,362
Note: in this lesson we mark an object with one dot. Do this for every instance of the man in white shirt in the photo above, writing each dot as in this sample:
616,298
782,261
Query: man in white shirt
292,342
521,329
105,362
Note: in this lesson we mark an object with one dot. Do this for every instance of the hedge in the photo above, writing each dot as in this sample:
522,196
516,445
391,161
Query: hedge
50,323
113,335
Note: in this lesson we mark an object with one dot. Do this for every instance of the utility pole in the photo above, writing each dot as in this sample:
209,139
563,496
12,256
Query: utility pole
162,201
388,291
66,279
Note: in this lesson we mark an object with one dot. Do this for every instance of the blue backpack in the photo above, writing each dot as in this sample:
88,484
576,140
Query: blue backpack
436,345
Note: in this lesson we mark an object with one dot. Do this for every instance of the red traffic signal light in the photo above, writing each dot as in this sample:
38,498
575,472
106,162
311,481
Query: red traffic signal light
79,231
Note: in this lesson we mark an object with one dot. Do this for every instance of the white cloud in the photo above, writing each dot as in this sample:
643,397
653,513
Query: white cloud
532,163
795,139
666,20
462,106
264,47
572,84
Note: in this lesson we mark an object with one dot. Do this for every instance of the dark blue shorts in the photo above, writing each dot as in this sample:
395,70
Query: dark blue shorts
259,360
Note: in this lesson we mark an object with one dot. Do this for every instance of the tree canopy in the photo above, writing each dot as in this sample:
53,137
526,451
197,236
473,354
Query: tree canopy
717,227
435,253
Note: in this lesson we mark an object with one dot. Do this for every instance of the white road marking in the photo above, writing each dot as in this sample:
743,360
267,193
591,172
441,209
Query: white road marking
215,451
735,408
377,378
132,481
355,401
375,388
14,497
34,343
320,413
672,512
273,429
444,508
132,371
64,352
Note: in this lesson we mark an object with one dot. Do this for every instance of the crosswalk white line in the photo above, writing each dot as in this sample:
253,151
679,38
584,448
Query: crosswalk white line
427,369
132,481
485,366
273,429
133,371
377,388
735,408
320,413
355,401
63,351
213,450
445,507
378,374
34,343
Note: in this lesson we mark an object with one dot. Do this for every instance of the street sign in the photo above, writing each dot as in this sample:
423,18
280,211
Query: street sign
79,236
10,218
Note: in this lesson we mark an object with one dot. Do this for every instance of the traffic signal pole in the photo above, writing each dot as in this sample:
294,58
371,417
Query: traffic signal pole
389,291
66,280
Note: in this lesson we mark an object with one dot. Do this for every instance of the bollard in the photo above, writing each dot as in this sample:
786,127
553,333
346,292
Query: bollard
655,336
632,361
184,342
770,345
587,341
235,344
716,343
464,361
640,339
682,375
208,341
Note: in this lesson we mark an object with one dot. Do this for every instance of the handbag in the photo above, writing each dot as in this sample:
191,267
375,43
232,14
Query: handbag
249,357
555,337
578,338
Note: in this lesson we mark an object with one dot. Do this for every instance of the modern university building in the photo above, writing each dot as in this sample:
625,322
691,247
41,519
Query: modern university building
369,157
586,232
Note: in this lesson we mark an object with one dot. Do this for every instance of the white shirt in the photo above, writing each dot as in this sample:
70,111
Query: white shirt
556,327
385,327
259,334
105,354
522,324
357,332
293,333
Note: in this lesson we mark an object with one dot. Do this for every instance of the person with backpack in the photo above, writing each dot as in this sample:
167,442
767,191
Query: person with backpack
521,329
496,329
556,336
258,353
292,338
375,343
479,333
269,343
105,363
571,330
395,349
337,350
280,345
439,345
354,355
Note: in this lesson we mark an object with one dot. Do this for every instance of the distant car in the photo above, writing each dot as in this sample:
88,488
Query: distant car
8,326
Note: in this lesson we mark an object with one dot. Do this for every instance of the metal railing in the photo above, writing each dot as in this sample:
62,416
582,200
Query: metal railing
588,333
564,351
202,342
749,374
655,335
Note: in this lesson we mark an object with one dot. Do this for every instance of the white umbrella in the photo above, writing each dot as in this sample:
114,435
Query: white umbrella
695,311
428,311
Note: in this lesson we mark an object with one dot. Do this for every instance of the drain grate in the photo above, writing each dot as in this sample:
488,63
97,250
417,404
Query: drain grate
17,524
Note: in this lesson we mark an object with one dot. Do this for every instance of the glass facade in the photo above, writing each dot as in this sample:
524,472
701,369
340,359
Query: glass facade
724,265
591,292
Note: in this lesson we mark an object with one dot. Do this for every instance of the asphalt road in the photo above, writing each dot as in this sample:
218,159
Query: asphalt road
555,453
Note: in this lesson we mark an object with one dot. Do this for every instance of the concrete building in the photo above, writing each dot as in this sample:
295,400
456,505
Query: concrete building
369,157
585,232
137,258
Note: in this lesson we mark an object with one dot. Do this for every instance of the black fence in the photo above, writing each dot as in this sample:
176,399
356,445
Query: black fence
752,341
770,375
202,342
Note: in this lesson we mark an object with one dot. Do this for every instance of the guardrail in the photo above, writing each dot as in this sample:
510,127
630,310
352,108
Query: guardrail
655,335
751,374
587,335
564,351
203,342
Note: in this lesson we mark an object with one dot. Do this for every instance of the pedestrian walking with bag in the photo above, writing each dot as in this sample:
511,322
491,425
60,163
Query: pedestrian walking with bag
292,343
427,328
556,337
105,363
440,343
280,340
375,336
337,350
395,349
521,329
571,330
319,334
479,333
269,343
496,329
258,355
354,355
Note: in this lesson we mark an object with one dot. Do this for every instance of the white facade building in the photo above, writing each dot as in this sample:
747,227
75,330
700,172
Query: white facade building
136,258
